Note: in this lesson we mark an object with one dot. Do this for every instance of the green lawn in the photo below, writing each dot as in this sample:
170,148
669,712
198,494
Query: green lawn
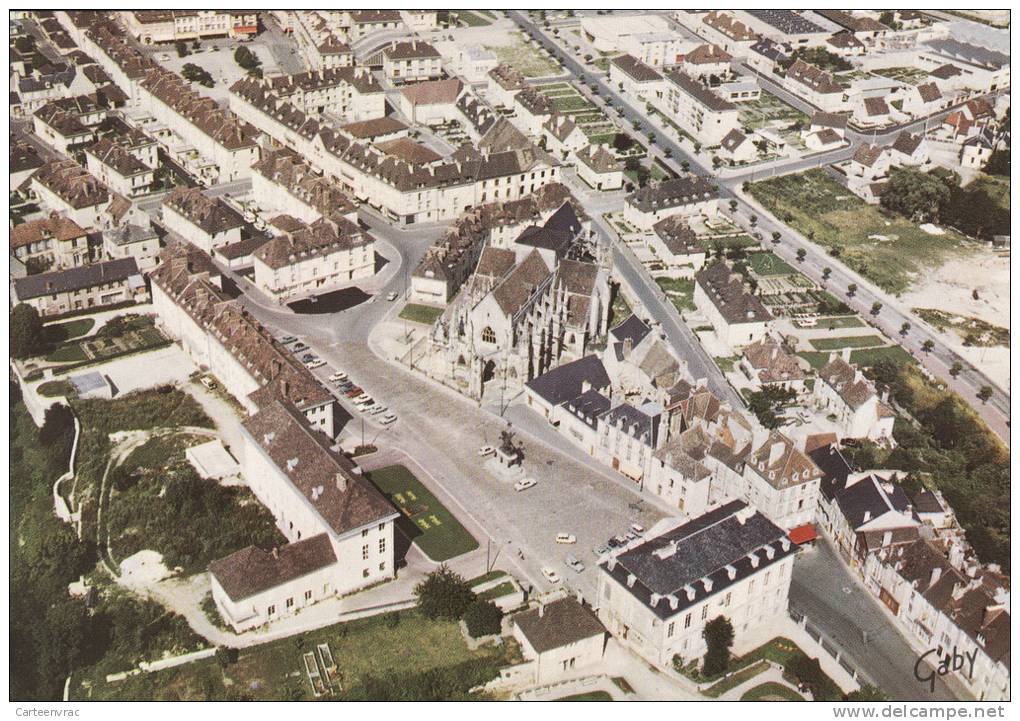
826,212
848,321
387,646
816,359
853,341
496,591
425,521
871,356
771,691
680,291
486,577
60,332
71,352
768,263
589,696
718,689
52,389
417,313
731,243
620,310
570,103
471,19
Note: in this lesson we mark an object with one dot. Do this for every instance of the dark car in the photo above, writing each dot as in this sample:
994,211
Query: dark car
298,347
355,391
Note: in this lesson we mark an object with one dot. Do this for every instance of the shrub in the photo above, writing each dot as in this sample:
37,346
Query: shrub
718,635
444,594
483,618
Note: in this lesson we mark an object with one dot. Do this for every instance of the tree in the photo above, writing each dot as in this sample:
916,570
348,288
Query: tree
801,254
776,235
668,153
483,618
733,206
905,328
928,346
718,635
985,393
443,594
808,672
27,336
867,692
754,220
246,58
57,423
182,49
768,402
915,195
876,308
954,370
686,165
826,272
851,289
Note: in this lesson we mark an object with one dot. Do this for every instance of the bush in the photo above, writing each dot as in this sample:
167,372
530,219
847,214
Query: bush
718,635
483,618
57,424
444,594
808,672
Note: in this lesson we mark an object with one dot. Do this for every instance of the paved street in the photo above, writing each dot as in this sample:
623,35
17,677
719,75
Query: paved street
825,591
995,412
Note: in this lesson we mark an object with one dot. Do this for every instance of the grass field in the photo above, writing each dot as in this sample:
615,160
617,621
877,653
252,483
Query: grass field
973,331
827,213
371,648
853,341
847,321
871,356
733,242
589,696
620,309
771,691
471,19
680,292
768,263
417,313
815,359
425,521
59,332
768,112
532,62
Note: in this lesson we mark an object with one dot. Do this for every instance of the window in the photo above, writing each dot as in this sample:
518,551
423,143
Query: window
308,595
271,611
488,335
364,573
382,545
382,527
382,566
704,612
290,602
687,621
364,552
669,630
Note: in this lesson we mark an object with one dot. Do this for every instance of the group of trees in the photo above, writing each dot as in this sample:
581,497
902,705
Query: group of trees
248,60
768,404
197,74
445,594
927,197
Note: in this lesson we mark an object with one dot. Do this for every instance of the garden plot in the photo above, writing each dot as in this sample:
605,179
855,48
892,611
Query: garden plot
908,76
768,111
567,100
525,56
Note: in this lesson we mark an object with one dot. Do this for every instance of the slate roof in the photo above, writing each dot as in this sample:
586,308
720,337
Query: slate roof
637,70
633,328
588,407
72,279
212,215
672,193
345,501
564,382
677,235
725,290
252,570
635,422
322,238
557,624
671,567
871,497
699,92
829,120
834,467
22,156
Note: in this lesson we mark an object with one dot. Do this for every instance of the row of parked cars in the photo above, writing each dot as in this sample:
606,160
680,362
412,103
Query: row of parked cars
361,400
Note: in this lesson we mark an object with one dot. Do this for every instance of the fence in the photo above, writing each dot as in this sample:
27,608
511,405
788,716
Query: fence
831,648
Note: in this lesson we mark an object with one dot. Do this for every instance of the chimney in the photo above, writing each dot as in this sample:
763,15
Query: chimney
292,463
341,482
284,387
276,552
867,516
541,610
628,345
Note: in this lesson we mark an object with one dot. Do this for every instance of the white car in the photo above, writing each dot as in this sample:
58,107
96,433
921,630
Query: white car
637,528
388,419
317,363
391,296
486,451
208,382
377,409
566,538
357,400
525,483
550,575
575,564
338,376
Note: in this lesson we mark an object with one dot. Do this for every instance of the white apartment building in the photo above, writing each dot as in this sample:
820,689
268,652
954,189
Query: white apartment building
411,61
841,391
736,314
121,171
656,595
152,27
207,223
781,481
687,196
696,109
634,78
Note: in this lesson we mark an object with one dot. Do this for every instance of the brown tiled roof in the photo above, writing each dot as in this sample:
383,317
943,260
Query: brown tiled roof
875,106
813,78
707,54
944,72
844,39
508,77
733,140
344,499
730,26
518,287
210,214
907,143
495,262
778,460
534,102
433,92
72,183
599,159
850,385
77,278
323,237
559,623
293,173
929,92
114,156
409,151
829,120
827,136
57,227
867,154
368,129
677,236
560,126
410,49
672,193
374,17
725,290
854,23
251,570
62,121
773,363
636,69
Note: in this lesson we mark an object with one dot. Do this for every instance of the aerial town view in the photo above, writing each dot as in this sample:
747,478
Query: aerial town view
509,355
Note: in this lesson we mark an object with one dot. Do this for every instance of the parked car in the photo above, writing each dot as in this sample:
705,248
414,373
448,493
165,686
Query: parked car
377,409
338,376
599,550
208,382
288,339
317,363
391,296
550,575
352,392
486,451
630,536
573,563
566,538
344,386
298,347
388,419
637,528
524,484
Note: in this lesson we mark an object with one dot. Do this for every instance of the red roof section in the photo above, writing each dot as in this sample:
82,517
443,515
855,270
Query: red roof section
803,534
